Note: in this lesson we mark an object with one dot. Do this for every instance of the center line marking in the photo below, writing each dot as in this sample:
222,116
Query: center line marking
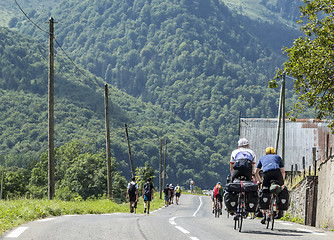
200,199
182,229
171,221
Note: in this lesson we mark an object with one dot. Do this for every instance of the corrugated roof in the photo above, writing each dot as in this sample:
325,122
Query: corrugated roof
301,137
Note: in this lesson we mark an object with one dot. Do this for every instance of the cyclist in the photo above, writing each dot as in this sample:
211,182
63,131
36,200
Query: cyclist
273,169
242,161
218,192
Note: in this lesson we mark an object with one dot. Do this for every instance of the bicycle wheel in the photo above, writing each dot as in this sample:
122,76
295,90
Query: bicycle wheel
273,214
215,210
241,215
237,214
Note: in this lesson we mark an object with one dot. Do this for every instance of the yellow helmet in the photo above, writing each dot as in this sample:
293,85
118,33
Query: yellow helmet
270,150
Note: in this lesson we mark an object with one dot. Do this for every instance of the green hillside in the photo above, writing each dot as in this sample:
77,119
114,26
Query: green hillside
79,114
281,11
188,68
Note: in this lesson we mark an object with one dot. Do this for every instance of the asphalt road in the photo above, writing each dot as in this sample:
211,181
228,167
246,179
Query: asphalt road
191,219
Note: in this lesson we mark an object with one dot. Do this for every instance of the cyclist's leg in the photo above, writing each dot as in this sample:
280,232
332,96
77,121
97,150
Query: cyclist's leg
220,199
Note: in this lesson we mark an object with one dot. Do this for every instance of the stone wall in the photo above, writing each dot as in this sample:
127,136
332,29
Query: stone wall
325,204
298,200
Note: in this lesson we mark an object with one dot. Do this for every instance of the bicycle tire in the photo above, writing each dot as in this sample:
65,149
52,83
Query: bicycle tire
241,215
237,213
215,210
269,217
272,218
268,214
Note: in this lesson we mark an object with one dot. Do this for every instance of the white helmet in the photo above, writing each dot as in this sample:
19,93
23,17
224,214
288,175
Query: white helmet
242,142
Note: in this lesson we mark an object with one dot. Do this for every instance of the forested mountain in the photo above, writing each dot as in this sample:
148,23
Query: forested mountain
79,114
189,67
279,11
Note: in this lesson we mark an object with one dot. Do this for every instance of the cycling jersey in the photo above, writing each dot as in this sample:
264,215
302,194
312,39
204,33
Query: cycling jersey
218,190
270,162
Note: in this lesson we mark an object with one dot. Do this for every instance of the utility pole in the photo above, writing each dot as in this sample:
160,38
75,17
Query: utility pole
51,163
164,181
129,148
160,170
283,118
239,124
1,185
106,102
281,115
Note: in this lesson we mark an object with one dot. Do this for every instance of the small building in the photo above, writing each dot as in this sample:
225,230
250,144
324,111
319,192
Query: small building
301,137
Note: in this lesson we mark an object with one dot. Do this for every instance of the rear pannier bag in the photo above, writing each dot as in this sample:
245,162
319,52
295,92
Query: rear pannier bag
264,199
250,186
230,200
283,200
252,201
233,187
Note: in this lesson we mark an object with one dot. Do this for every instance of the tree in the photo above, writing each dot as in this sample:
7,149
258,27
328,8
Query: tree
142,174
311,61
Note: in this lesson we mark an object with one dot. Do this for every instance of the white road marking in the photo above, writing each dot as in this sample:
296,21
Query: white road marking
171,221
304,230
287,224
194,238
182,229
17,232
45,219
200,199
310,231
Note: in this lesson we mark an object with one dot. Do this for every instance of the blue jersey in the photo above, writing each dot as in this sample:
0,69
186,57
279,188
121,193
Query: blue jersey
270,162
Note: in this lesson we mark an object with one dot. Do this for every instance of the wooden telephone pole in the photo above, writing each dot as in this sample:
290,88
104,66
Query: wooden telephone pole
281,118
129,148
106,102
160,170
165,159
51,164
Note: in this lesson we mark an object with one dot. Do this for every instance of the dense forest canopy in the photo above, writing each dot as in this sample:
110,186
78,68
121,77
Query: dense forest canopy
182,71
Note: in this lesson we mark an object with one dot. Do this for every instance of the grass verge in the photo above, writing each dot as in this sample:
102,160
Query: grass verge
16,212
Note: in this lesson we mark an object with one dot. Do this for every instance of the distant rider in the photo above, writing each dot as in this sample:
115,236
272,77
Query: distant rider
242,161
218,192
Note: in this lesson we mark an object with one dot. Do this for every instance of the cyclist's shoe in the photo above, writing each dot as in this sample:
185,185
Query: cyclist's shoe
231,213
235,218
263,220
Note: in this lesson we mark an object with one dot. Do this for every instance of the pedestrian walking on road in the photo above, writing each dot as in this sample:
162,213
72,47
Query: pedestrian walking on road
192,184
166,195
148,192
177,193
132,195
171,199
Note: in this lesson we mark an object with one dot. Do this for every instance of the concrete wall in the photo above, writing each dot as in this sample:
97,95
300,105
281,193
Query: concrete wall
325,206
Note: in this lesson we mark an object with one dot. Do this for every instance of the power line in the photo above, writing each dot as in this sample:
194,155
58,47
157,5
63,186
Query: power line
74,64
30,19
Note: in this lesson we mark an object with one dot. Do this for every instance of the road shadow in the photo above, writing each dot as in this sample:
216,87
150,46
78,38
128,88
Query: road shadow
278,232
